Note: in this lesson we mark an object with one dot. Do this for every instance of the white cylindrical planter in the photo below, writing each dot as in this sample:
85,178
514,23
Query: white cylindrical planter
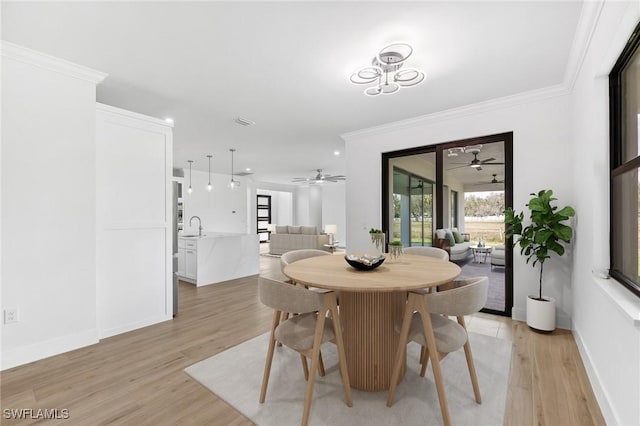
541,314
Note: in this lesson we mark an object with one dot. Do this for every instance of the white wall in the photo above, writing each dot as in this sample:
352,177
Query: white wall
315,206
222,209
603,311
333,209
48,205
540,122
301,206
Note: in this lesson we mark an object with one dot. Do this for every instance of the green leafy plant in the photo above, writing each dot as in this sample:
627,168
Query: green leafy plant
396,243
377,237
544,234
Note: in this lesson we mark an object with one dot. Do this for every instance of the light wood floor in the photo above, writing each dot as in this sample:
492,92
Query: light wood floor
137,378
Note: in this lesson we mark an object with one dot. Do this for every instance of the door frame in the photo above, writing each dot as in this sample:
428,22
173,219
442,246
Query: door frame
439,148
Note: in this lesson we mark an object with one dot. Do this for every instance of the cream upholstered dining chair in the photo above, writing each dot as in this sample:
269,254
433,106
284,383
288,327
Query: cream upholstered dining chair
468,297
436,252
295,255
305,332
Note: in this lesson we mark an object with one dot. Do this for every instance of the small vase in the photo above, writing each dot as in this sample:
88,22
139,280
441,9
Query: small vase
395,252
377,238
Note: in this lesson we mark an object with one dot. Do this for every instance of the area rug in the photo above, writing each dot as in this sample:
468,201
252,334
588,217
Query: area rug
235,375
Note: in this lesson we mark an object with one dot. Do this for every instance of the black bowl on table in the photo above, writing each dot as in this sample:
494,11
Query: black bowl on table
364,263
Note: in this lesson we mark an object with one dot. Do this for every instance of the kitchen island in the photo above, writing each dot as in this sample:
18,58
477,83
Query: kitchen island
217,256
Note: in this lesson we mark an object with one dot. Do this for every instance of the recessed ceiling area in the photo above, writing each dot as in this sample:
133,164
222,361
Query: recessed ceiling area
286,66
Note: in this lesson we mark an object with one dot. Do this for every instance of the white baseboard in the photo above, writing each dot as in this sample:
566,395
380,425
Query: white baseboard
133,326
562,320
34,352
601,395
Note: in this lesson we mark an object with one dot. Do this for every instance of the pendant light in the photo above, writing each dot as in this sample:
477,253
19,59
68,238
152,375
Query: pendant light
233,184
189,189
209,186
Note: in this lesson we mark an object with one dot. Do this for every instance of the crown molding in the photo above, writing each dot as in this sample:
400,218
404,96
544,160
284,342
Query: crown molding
463,111
587,23
51,63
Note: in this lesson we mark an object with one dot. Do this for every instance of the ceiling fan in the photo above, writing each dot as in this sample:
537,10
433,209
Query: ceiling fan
320,178
494,180
476,163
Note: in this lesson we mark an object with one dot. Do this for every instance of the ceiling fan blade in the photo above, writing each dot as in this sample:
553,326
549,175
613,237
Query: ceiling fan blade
299,179
487,160
459,167
493,164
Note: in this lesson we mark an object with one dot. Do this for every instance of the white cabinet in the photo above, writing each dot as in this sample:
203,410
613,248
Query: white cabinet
182,259
132,152
191,264
217,257
188,258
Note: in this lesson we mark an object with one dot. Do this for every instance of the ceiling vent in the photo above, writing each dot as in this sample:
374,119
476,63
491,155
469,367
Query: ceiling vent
244,122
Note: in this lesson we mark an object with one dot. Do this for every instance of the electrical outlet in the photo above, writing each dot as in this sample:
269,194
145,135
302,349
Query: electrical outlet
10,315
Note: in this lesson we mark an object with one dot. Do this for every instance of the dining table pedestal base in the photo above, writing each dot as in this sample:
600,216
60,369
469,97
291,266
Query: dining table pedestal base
370,336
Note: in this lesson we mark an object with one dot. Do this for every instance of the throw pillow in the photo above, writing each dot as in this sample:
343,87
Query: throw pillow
452,241
440,233
294,229
458,237
309,230
281,229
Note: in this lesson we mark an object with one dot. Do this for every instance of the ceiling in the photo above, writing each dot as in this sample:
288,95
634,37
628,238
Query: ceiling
285,66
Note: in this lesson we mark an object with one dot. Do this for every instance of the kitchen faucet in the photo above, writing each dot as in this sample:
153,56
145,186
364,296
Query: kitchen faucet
199,224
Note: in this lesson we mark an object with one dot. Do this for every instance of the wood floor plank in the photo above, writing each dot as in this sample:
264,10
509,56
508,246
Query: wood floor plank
137,378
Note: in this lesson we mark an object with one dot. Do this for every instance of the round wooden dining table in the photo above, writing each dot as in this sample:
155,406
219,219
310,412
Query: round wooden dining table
371,306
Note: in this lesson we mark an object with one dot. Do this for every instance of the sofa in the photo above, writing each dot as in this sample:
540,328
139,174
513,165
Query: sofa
497,257
287,238
457,251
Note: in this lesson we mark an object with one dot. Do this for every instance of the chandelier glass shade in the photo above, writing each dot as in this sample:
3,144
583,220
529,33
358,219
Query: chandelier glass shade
190,189
387,73
233,184
209,186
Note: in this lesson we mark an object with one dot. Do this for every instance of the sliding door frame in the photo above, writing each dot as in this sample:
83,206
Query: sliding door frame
439,149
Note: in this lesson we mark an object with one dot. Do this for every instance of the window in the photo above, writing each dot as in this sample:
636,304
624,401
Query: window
624,98
412,208
454,209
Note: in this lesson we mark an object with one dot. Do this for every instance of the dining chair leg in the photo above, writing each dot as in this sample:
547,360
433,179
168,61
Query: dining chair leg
402,347
342,360
471,365
424,361
435,362
321,372
317,341
267,365
305,368
284,317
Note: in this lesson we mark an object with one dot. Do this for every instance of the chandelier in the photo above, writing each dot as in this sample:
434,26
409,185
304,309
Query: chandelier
387,71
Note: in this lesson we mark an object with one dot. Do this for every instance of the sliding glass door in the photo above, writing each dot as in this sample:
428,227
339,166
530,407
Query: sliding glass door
413,209
462,184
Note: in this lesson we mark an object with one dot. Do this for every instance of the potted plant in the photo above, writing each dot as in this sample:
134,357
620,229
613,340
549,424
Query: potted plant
543,235
395,249
377,237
